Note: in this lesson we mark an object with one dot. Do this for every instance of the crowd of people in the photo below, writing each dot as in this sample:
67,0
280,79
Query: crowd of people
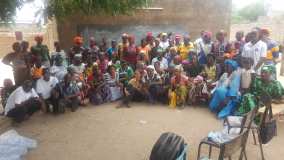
165,68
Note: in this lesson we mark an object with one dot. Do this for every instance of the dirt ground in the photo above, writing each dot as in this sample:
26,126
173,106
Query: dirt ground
104,132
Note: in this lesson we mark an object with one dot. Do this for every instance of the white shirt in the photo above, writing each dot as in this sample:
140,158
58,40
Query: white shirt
164,45
59,72
200,45
18,96
45,87
163,62
78,69
256,51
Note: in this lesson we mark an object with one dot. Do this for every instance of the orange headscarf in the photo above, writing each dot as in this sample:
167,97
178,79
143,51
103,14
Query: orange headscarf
78,40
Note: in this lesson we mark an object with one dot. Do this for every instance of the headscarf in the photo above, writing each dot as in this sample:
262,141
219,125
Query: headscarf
149,34
38,37
185,62
151,67
207,34
267,68
264,31
124,35
164,34
78,40
232,63
178,36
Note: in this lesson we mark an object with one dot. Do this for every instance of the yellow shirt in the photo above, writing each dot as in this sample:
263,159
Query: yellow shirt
184,50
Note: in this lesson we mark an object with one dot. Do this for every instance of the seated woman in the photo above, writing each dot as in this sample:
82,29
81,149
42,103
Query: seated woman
102,63
6,91
136,90
111,79
22,103
226,93
154,82
263,84
58,69
125,73
211,70
98,93
193,68
69,94
178,90
202,84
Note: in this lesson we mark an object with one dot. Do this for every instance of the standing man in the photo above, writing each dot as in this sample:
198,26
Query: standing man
204,46
221,46
272,57
41,50
255,49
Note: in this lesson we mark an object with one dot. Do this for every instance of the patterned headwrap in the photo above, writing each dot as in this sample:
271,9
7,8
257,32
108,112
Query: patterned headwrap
232,63
149,34
178,36
207,34
267,68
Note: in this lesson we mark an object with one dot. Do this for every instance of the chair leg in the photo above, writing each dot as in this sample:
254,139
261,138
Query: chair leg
199,150
253,134
243,154
260,144
210,151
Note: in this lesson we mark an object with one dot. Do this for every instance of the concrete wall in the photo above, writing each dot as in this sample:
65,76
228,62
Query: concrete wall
194,15
7,35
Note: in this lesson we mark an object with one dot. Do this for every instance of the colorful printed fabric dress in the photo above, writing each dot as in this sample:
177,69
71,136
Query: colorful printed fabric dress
249,100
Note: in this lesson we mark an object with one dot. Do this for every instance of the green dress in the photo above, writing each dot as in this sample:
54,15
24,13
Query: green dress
249,100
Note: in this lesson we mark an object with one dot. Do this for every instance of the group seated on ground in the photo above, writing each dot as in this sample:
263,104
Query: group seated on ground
227,76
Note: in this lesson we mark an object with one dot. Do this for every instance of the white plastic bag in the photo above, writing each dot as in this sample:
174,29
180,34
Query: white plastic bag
13,146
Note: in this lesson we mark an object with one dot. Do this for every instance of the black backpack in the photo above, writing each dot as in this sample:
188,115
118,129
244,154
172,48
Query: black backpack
168,147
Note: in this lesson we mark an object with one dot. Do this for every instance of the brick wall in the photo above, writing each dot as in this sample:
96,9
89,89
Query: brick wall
195,15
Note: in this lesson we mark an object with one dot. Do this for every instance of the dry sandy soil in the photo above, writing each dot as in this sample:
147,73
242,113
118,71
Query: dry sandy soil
104,132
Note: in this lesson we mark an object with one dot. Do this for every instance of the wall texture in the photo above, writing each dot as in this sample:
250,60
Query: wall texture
7,35
194,15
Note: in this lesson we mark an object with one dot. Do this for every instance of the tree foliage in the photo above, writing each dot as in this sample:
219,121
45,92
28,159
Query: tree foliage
63,8
249,13
8,9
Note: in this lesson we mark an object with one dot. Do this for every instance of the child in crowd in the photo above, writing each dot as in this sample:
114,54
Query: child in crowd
247,74
37,71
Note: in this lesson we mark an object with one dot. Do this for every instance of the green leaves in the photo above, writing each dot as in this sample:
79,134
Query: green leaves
8,9
63,8
249,13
